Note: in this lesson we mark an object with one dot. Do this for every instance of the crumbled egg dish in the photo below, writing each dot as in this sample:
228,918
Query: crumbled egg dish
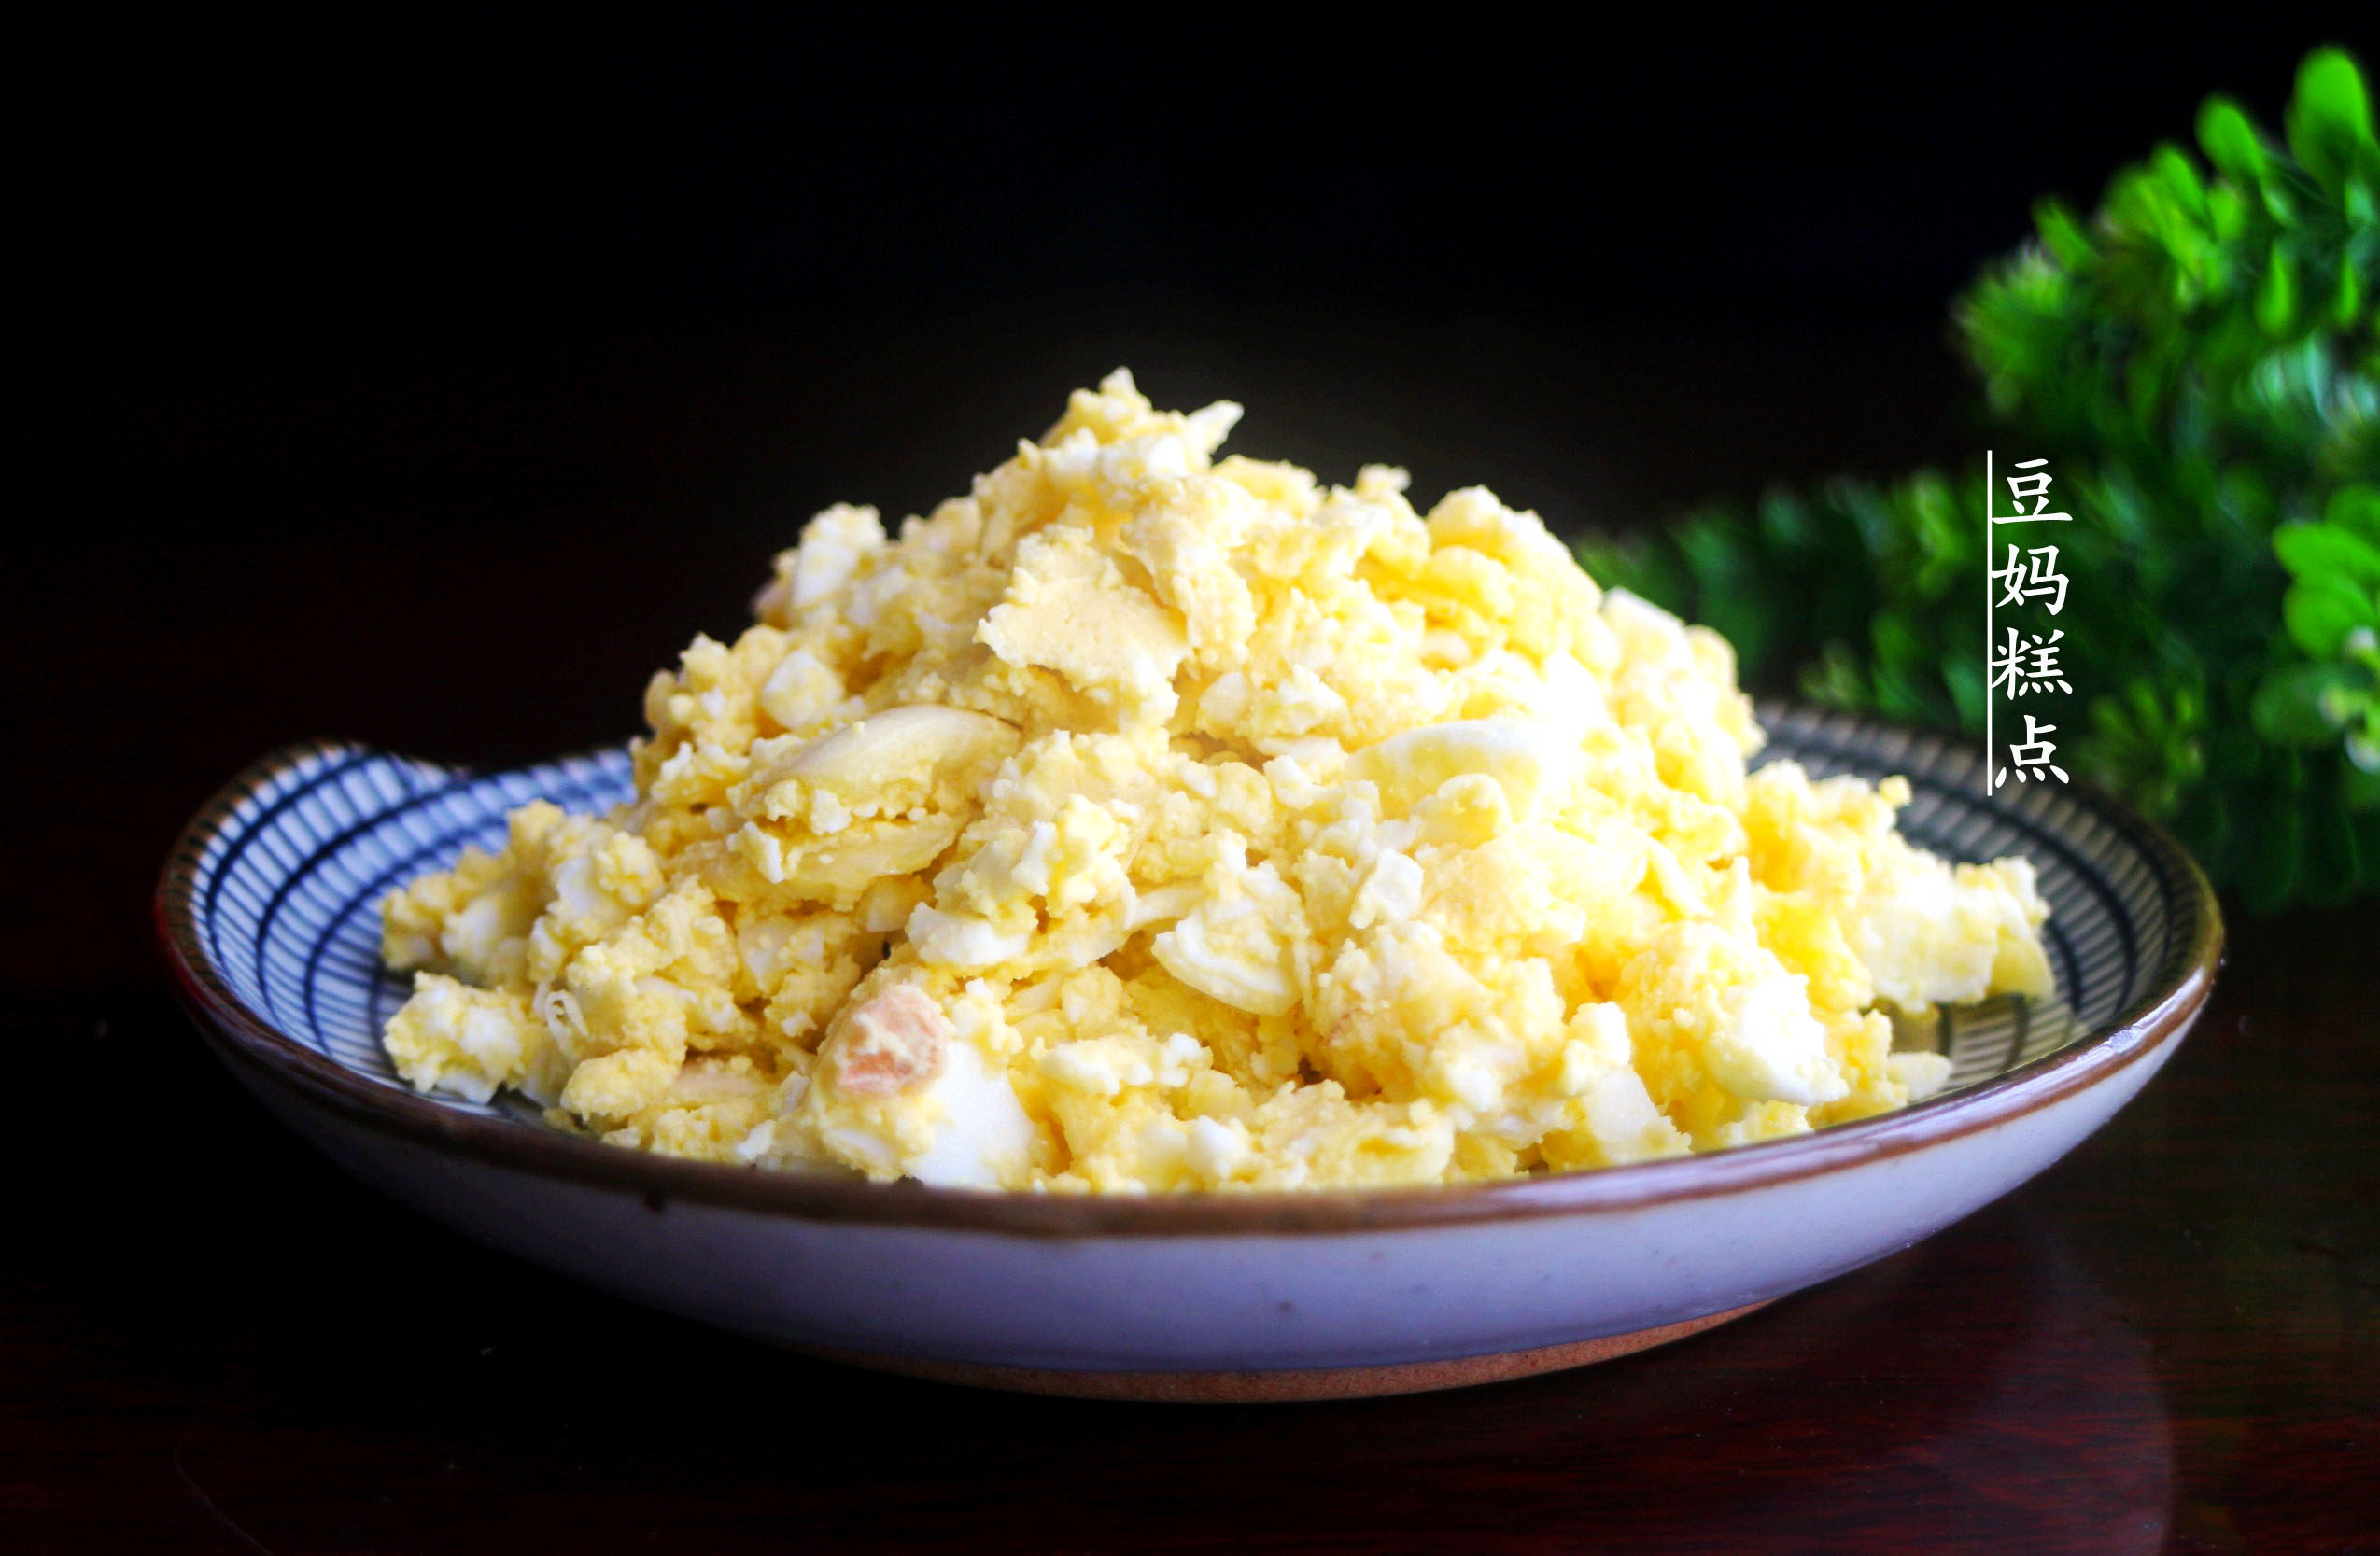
1146,821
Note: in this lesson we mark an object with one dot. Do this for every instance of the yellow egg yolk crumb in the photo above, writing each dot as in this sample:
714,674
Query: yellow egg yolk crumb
1148,820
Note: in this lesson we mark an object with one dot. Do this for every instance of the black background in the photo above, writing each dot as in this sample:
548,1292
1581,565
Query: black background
430,378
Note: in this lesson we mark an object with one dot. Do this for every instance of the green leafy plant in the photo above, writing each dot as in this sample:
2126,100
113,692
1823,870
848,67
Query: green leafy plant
2198,362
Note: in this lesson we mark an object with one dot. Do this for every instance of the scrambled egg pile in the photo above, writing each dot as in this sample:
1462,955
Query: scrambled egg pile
1146,820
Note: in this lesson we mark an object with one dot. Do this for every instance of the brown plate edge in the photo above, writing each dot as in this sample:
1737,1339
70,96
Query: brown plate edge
1283,1385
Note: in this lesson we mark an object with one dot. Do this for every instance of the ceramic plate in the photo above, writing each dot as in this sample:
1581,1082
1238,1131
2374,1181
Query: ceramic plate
269,914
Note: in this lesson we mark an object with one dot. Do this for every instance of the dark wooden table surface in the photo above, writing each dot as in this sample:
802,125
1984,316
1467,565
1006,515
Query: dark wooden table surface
209,1341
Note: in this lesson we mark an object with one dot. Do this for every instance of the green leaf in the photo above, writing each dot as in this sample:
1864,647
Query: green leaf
2277,294
2313,549
2227,218
2356,510
2280,204
2061,236
2330,119
1785,522
2288,708
2179,177
2320,610
2230,141
2356,198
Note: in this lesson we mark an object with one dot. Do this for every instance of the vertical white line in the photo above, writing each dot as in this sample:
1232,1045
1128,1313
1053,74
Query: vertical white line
1990,755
